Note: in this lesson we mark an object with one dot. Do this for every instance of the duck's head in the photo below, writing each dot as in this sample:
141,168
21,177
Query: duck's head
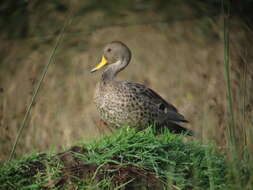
116,55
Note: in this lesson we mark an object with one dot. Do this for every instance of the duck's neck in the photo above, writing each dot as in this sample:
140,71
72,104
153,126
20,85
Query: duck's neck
112,70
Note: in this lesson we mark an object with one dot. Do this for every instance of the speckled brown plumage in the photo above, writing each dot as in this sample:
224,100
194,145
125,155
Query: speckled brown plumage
126,103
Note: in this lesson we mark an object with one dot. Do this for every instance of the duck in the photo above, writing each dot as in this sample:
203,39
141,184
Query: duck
123,103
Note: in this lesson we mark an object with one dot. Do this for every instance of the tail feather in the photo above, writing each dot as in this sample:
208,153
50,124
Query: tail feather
176,128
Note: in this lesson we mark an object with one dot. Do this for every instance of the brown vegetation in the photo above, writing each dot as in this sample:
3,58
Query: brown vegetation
182,60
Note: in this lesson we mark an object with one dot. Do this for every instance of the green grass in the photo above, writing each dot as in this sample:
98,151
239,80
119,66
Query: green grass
186,164
125,159
29,173
240,169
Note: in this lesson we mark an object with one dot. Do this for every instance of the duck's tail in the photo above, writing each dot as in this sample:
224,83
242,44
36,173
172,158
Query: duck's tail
176,128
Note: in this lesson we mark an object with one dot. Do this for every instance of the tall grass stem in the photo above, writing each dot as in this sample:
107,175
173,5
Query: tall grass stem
44,72
231,124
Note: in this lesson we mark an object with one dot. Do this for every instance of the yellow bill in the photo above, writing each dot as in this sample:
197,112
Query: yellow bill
100,65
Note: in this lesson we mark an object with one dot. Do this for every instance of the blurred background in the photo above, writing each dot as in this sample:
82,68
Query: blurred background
177,50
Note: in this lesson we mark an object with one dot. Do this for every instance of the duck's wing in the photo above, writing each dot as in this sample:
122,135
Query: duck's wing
167,111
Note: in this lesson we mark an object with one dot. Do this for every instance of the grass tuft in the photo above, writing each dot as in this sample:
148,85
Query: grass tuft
126,159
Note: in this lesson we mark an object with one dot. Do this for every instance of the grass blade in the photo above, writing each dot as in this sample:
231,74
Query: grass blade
44,72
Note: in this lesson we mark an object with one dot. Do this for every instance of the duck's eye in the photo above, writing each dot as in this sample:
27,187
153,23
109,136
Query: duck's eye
109,49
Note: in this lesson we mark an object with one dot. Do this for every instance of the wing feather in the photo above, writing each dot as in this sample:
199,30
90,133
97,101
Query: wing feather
170,112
